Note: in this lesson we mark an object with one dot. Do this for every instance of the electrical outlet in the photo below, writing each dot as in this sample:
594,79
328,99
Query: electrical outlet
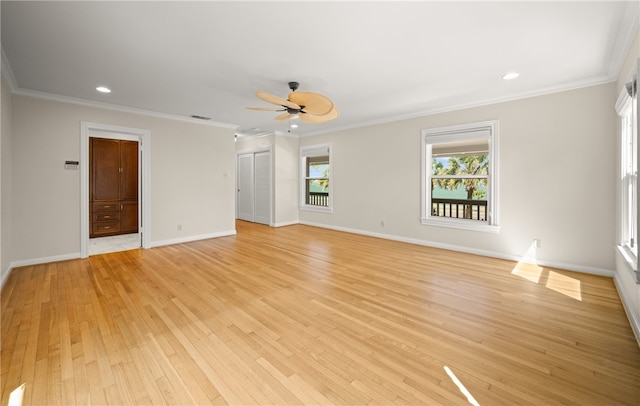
179,227
537,243
381,223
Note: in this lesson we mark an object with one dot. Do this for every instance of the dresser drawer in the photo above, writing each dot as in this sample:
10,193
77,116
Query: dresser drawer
106,227
106,206
106,216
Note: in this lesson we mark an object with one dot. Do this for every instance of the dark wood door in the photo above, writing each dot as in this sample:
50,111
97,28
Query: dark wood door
105,162
113,189
129,186
129,174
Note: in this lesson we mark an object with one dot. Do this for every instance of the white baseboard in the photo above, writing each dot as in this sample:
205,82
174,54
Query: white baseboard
569,267
36,261
5,277
45,260
284,224
633,318
192,238
559,265
631,315
77,255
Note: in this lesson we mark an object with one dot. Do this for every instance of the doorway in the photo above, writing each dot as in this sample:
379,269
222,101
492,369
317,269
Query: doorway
253,201
102,244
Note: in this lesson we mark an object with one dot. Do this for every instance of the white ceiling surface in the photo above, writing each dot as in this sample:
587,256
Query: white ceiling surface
378,61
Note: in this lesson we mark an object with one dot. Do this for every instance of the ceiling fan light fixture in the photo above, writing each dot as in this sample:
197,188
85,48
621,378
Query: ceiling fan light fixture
307,106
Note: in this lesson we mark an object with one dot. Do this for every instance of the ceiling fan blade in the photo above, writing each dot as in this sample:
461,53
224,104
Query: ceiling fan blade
315,119
266,109
313,103
283,117
268,97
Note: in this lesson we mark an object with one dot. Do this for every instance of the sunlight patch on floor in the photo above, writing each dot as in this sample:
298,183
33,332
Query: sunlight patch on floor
460,386
528,269
566,285
15,398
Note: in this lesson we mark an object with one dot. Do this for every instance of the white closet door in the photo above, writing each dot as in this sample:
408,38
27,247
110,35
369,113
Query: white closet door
262,177
245,187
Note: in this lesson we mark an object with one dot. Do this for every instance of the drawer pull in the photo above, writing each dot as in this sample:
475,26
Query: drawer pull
107,217
107,227
106,207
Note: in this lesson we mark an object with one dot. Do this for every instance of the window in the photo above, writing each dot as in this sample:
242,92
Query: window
316,176
627,109
459,167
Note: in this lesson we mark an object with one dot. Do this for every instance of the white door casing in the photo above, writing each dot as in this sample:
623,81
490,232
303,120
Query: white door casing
143,137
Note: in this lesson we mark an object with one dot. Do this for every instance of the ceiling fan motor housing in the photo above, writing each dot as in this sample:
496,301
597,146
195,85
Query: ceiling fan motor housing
294,86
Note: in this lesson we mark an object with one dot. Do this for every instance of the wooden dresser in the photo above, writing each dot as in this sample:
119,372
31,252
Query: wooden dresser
113,187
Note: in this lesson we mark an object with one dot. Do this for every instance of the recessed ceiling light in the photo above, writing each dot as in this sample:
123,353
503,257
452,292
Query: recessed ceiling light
103,89
510,75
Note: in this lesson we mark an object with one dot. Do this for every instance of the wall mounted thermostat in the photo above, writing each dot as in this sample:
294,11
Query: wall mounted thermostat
71,164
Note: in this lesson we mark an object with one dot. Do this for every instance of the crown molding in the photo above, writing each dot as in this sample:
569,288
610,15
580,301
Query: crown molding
626,35
541,92
115,107
10,78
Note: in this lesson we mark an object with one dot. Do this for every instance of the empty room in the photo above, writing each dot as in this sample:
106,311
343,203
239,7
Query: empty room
319,202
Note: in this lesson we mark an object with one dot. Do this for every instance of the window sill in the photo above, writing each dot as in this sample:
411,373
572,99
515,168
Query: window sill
317,209
471,225
631,261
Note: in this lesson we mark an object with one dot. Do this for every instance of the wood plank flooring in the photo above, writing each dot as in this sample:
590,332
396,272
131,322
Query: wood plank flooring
302,315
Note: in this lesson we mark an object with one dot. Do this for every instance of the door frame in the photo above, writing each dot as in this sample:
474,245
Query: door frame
143,137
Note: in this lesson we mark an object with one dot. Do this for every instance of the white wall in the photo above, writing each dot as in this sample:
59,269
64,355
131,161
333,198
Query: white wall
5,183
556,179
625,282
287,172
188,186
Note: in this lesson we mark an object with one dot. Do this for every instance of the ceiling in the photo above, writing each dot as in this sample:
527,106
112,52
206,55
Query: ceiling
378,61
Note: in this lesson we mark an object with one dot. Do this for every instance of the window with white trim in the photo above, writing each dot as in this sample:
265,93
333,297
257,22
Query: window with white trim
316,178
459,176
626,107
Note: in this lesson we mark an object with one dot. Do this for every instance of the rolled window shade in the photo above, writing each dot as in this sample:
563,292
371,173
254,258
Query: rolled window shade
314,151
471,136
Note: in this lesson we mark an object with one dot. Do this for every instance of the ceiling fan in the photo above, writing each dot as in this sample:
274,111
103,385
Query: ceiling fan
309,107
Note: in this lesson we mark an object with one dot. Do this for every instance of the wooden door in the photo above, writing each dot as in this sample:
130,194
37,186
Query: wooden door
129,186
105,174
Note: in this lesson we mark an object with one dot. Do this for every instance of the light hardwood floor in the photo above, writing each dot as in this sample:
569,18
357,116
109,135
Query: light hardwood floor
302,315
